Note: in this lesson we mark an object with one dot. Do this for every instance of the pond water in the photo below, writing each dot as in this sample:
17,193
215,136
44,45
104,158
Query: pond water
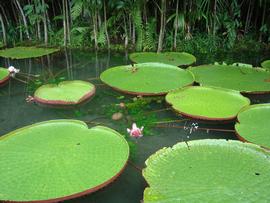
86,65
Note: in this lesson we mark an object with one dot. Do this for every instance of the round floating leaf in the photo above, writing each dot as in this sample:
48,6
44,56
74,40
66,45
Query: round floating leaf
266,64
65,93
147,78
58,160
207,103
172,58
208,171
254,124
4,75
243,79
26,52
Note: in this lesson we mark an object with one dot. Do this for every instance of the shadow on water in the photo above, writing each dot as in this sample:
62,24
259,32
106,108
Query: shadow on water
85,65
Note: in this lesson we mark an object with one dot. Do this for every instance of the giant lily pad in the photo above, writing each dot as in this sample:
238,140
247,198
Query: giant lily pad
172,58
207,103
4,75
26,52
208,171
243,79
57,160
253,124
266,64
65,93
146,78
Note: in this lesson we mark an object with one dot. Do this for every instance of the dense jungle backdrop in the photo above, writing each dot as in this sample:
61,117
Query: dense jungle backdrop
189,25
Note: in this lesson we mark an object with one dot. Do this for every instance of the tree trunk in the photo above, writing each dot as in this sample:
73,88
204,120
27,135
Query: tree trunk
67,21
133,34
24,19
145,12
3,30
45,25
263,19
4,15
215,15
248,17
176,26
130,26
64,23
106,28
126,33
21,32
94,18
162,25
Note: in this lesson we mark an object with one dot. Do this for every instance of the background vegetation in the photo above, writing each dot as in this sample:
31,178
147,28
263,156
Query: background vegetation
189,25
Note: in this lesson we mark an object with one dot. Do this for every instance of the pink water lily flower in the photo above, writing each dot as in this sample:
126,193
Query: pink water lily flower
135,131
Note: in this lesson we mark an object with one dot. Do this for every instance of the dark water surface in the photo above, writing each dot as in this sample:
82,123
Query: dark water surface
15,112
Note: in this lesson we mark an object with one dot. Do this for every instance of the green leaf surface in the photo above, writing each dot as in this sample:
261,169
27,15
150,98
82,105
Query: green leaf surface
4,75
207,103
59,158
172,58
243,79
254,124
26,52
208,171
266,64
147,78
66,92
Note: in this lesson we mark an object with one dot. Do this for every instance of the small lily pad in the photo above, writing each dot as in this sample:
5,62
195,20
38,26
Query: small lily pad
147,78
65,93
254,124
172,58
57,160
4,76
243,79
207,103
208,171
266,64
26,52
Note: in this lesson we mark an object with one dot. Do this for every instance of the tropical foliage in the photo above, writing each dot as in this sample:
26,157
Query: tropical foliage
144,25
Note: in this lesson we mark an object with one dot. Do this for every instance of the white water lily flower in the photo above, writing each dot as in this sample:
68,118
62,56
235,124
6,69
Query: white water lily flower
13,70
